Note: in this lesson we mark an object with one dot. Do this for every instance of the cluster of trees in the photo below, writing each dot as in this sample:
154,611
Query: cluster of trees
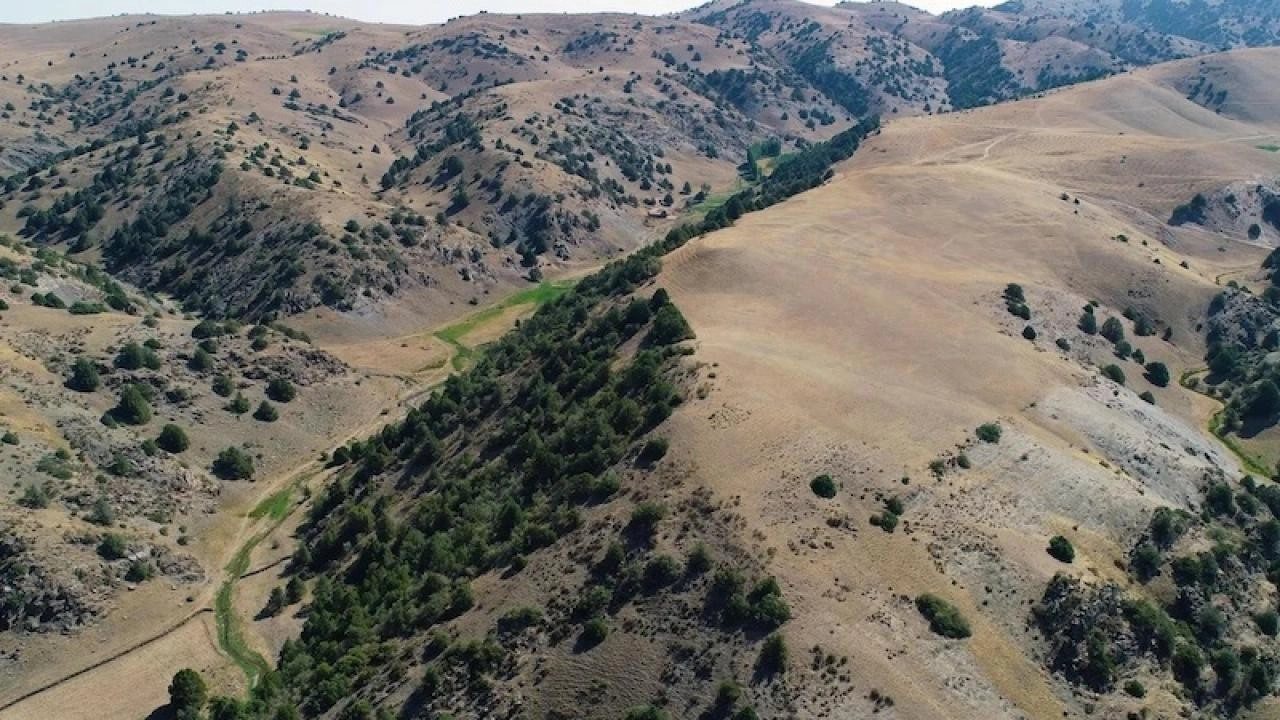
1238,344
1214,630
490,468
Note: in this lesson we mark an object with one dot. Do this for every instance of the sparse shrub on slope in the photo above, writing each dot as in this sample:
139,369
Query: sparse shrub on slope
1061,549
989,432
944,619
823,486
233,464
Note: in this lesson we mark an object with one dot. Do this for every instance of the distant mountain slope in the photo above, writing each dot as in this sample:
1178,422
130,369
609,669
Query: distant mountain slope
261,165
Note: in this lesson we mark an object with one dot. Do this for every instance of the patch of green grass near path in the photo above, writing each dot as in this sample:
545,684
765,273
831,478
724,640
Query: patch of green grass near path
230,634
275,507
536,296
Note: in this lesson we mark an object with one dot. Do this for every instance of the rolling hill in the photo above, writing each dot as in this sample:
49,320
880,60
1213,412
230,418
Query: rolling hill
900,419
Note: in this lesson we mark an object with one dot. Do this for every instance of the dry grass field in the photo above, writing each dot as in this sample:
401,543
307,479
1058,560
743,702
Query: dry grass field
857,330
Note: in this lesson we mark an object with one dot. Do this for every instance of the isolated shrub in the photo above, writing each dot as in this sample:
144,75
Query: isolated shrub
112,546
989,432
206,329
173,439
139,571
1114,373
1157,374
766,607
886,521
200,361
699,560
9,437
1219,500
1167,525
646,516
1061,549
239,404
133,407
223,386
894,505
134,357
653,451
773,654
266,412
1147,397
1029,333
1133,688
728,693
233,464
823,486
101,513
1088,323
944,619
1123,349
1013,293
594,631
1145,562
1112,329
660,572
281,390
187,692
34,497
84,376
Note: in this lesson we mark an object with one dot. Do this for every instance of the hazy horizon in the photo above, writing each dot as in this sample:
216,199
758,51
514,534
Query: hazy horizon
393,11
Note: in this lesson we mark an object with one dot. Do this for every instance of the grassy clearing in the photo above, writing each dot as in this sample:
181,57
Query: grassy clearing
276,506
534,297
715,200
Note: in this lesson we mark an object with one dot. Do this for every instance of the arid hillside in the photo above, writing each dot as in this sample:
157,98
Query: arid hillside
258,166
326,377
864,330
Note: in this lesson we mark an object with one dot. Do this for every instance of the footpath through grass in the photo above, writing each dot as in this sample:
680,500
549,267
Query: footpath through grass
276,508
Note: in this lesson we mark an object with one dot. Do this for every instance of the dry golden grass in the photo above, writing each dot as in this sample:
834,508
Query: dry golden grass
857,330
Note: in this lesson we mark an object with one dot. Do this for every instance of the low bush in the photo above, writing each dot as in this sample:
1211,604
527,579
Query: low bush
944,619
823,486
173,439
773,654
1061,549
1113,373
233,464
989,432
